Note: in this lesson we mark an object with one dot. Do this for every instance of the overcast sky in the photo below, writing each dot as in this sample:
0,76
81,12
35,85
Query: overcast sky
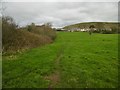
61,13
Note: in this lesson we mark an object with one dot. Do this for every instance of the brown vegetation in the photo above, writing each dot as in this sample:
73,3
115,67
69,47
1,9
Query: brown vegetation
17,39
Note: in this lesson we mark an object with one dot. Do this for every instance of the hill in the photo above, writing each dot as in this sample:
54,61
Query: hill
99,26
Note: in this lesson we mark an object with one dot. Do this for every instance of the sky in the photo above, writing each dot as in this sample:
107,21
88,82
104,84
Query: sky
61,0
61,14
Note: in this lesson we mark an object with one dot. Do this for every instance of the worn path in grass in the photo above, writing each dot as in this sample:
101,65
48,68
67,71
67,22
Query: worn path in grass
74,60
55,76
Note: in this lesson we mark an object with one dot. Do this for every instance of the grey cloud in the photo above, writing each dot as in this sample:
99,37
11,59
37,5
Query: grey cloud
62,13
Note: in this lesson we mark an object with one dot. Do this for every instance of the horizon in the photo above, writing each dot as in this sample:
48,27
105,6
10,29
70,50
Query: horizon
74,24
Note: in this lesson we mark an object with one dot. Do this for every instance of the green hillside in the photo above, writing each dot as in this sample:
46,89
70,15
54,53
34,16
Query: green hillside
98,25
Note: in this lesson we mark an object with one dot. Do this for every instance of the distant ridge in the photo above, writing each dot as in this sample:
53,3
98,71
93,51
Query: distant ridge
98,25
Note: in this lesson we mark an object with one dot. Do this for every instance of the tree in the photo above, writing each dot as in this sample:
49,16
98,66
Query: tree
91,29
31,27
8,23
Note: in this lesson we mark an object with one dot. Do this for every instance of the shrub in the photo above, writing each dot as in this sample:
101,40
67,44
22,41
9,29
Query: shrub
15,40
43,30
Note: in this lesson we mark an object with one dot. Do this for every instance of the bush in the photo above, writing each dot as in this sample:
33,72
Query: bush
43,30
15,40
112,31
106,32
21,40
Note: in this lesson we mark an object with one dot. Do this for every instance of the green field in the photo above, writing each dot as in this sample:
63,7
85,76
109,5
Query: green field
74,60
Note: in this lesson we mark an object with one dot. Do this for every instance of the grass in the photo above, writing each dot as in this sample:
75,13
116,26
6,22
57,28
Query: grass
85,61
